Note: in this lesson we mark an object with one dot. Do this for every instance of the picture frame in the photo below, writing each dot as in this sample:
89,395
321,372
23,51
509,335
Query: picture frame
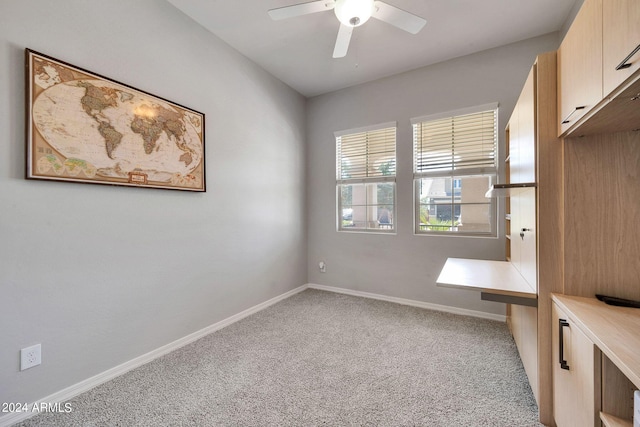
87,128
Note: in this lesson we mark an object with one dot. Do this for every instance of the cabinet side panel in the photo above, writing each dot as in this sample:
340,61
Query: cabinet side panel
550,220
617,391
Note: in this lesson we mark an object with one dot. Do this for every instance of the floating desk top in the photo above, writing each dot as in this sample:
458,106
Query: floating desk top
488,277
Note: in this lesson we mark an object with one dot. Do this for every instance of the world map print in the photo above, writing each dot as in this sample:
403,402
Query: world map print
84,127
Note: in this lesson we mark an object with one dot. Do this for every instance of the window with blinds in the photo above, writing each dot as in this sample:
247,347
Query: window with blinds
367,154
458,143
365,178
455,163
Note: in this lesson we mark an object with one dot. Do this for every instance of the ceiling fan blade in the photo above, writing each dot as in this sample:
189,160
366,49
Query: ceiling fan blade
301,9
342,42
397,17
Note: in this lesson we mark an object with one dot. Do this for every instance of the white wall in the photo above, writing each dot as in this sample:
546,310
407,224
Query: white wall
100,275
405,265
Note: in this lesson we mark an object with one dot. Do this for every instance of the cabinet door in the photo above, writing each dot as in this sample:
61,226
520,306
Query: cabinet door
522,134
513,174
580,65
527,130
574,385
524,327
527,236
516,225
621,36
514,146
522,165
523,235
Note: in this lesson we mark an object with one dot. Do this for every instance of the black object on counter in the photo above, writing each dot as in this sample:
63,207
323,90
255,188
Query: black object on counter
618,301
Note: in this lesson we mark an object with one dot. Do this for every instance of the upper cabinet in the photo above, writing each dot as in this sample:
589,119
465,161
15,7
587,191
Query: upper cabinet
522,169
522,147
621,41
580,65
599,69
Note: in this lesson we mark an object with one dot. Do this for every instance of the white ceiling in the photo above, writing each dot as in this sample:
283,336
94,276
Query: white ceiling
299,50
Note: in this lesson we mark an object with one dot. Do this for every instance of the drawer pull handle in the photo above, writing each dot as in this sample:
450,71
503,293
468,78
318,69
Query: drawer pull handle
625,62
565,121
561,324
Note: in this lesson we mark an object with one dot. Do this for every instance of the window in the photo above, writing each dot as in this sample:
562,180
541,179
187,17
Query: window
366,178
455,163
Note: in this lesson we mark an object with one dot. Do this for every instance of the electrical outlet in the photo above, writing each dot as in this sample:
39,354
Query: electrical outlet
323,267
30,357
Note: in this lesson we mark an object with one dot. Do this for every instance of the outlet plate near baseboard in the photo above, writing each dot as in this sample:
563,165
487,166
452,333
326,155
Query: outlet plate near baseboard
30,356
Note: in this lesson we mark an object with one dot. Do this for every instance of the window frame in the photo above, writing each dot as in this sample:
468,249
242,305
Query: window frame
457,174
365,181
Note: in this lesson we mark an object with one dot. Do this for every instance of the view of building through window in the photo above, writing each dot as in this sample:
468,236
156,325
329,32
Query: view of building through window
455,204
367,206
454,166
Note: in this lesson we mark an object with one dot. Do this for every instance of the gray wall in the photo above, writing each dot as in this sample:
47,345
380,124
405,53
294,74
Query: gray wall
405,265
100,275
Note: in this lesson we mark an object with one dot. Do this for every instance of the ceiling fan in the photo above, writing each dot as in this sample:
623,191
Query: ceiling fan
351,14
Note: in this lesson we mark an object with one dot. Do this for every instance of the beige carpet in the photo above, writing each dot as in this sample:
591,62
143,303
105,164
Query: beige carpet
320,358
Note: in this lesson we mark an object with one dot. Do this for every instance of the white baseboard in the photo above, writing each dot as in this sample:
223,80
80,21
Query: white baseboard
88,384
413,303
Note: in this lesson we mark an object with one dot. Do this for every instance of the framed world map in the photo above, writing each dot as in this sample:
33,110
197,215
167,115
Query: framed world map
83,127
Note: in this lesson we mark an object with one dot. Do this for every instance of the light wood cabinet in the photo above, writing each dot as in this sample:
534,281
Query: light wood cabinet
522,135
599,344
507,204
526,119
521,168
621,38
521,245
575,374
535,156
550,221
599,70
597,248
580,65
524,329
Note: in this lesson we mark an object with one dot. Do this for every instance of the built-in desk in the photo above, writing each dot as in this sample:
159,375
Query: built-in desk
496,280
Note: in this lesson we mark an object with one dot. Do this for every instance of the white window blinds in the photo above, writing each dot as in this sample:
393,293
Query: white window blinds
464,143
368,154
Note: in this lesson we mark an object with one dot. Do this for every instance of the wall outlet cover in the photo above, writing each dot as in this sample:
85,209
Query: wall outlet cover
30,357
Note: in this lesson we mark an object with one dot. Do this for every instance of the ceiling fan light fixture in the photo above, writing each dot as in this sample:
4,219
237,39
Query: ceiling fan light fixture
353,13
